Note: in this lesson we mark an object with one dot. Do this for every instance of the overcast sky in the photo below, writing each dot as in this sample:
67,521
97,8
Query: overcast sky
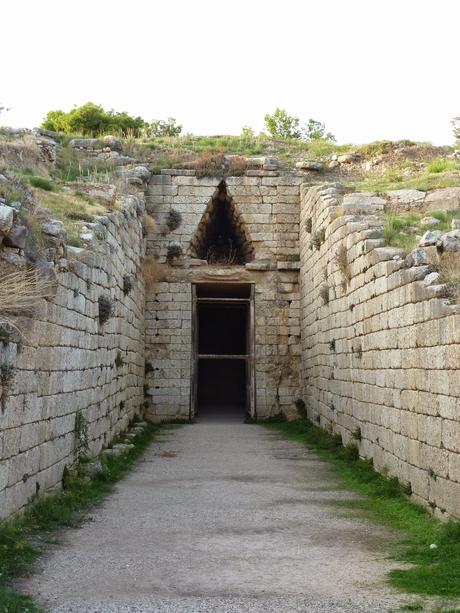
369,69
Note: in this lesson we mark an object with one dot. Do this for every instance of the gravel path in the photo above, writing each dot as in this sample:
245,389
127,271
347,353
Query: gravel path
219,517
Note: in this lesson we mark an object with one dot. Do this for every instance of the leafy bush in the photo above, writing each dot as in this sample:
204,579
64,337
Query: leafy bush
92,120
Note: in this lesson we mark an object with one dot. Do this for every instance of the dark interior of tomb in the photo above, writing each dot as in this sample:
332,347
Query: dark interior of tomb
222,329
222,332
223,241
221,389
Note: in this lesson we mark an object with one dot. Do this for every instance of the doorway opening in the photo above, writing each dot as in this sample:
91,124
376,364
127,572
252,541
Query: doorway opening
222,365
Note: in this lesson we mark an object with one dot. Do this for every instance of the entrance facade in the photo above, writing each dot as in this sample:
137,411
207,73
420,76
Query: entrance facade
223,351
223,319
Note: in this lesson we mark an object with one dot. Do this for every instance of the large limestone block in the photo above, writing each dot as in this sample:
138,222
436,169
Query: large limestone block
405,196
451,435
6,218
447,198
365,202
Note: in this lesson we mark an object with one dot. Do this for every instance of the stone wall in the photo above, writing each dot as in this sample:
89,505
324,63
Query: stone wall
267,204
381,354
66,361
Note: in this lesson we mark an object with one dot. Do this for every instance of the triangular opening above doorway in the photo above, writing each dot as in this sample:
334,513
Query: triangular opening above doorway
221,237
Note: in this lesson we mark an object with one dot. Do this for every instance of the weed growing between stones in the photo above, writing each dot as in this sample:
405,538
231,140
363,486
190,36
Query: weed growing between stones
148,368
174,252
7,373
431,571
148,224
23,539
324,293
341,259
173,220
106,308
119,360
128,284
81,434
319,238
301,408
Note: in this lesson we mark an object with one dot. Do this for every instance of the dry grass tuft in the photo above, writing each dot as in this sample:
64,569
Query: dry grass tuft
148,224
152,271
237,166
210,164
217,164
449,269
341,259
23,154
20,292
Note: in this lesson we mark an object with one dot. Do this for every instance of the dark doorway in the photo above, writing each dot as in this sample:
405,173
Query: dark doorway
221,388
223,331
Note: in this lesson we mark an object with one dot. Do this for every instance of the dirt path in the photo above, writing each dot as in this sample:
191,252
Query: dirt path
220,517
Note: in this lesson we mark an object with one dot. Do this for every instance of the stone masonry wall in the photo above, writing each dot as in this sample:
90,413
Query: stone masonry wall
381,356
268,206
66,361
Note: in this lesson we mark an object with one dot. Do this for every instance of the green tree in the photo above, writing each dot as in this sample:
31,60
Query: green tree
56,121
89,119
282,125
159,127
315,130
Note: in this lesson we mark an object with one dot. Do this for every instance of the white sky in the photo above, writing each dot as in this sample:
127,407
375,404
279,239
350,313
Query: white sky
369,69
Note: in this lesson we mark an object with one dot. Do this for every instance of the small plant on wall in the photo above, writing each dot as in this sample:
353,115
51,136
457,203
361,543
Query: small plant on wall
106,308
341,259
324,293
173,220
319,238
301,408
174,252
7,373
127,284
81,434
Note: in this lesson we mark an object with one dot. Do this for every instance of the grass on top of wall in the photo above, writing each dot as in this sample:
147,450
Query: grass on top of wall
401,230
433,571
23,539
395,179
